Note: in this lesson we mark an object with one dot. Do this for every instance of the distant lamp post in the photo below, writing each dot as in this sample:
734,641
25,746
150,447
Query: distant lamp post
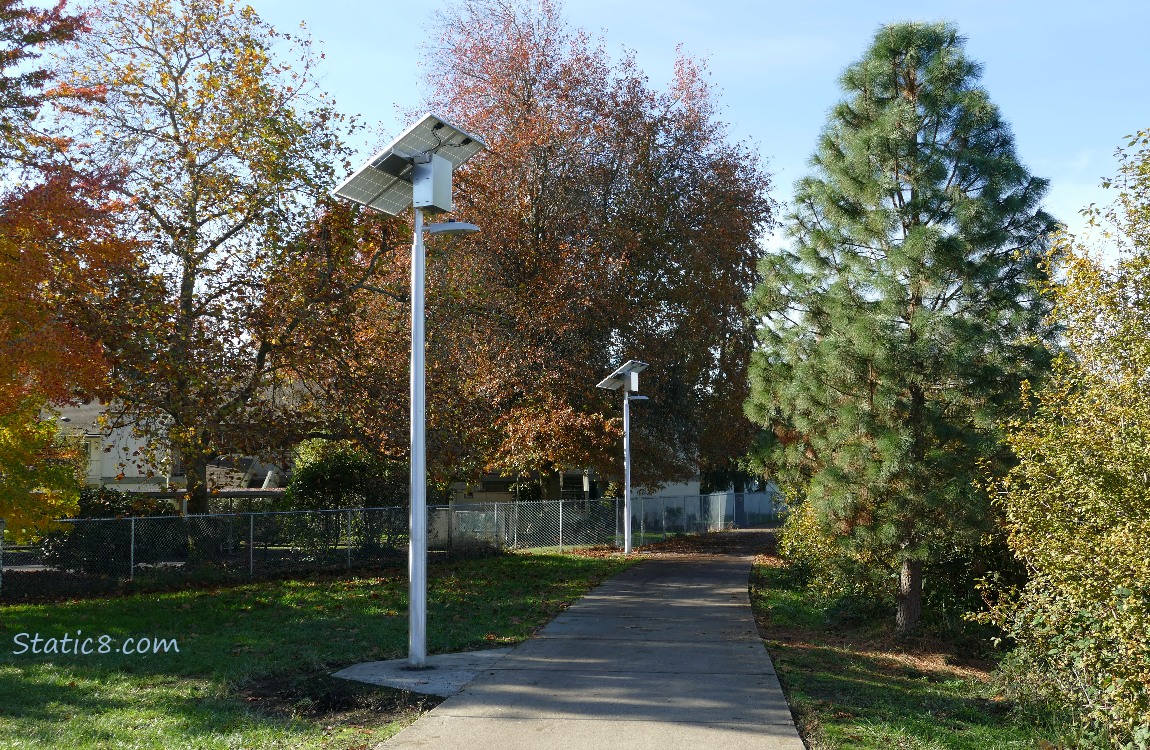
415,170
626,379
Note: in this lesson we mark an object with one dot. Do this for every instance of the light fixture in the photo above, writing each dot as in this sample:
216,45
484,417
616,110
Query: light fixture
416,170
626,378
451,227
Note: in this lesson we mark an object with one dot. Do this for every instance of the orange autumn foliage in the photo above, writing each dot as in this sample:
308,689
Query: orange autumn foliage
58,243
618,222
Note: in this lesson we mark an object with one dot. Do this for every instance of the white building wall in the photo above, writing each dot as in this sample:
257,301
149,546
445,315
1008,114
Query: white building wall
116,457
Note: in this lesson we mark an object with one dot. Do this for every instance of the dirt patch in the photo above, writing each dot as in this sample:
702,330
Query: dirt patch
328,700
600,551
924,655
740,542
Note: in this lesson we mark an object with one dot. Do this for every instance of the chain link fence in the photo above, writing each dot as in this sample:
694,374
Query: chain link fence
93,556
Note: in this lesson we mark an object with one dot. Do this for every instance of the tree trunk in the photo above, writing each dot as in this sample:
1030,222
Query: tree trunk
196,473
909,614
552,485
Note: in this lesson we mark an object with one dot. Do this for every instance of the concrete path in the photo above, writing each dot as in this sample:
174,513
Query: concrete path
663,656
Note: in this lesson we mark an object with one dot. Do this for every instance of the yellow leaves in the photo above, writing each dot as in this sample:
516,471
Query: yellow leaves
1078,503
39,473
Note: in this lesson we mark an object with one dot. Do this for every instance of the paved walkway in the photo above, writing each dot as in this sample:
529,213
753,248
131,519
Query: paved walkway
663,656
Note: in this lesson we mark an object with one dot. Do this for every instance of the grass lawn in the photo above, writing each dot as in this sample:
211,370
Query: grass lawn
858,687
253,661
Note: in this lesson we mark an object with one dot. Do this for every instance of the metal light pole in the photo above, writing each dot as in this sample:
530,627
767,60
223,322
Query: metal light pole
627,399
417,540
416,170
626,379
626,472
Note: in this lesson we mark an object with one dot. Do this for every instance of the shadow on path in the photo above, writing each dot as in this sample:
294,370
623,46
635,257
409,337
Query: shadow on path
665,655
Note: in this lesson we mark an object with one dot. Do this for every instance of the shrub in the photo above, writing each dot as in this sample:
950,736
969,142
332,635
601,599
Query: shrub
103,547
861,587
338,474
1078,502
831,569
106,502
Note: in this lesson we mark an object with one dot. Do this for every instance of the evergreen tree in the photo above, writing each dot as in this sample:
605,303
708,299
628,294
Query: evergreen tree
895,334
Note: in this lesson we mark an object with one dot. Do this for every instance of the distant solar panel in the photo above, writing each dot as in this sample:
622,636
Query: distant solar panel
384,182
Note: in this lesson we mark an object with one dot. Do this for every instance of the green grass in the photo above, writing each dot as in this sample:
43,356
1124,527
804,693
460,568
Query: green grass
859,687
259,634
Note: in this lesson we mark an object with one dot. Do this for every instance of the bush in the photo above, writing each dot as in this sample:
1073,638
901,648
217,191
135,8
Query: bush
329,475
1078,502
105,502
102,547
860,587
1089,652
338,474
833,570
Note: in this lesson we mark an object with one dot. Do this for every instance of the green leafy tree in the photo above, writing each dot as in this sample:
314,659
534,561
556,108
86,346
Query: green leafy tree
1078,502
897,331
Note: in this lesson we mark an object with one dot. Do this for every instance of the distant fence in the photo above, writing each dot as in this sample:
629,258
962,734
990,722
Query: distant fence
93,556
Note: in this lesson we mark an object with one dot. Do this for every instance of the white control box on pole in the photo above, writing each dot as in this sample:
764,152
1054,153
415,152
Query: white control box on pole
431,184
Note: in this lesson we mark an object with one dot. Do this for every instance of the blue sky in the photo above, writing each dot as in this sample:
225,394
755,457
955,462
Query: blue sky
1072,78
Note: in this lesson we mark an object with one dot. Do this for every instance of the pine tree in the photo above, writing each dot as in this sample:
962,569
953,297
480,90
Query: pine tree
897,330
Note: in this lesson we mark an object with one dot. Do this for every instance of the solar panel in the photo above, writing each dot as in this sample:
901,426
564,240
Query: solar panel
621,376
384,182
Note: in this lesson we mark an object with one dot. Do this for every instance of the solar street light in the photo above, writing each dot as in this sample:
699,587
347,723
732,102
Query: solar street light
626,379
416,170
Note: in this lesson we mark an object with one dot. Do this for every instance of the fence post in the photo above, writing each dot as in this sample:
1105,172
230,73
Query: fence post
349,538
251,545
132,545
642,521
560,526
3,523
498,536
616,522
515,532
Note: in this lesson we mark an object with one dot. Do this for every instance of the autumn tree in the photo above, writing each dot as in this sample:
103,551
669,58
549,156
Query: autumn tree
354,363
898,329
1078,504
228,149
47,218
58,245
618,221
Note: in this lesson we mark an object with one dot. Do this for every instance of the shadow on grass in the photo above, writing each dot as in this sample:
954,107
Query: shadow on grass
857,699
46,705
852,683
237,644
